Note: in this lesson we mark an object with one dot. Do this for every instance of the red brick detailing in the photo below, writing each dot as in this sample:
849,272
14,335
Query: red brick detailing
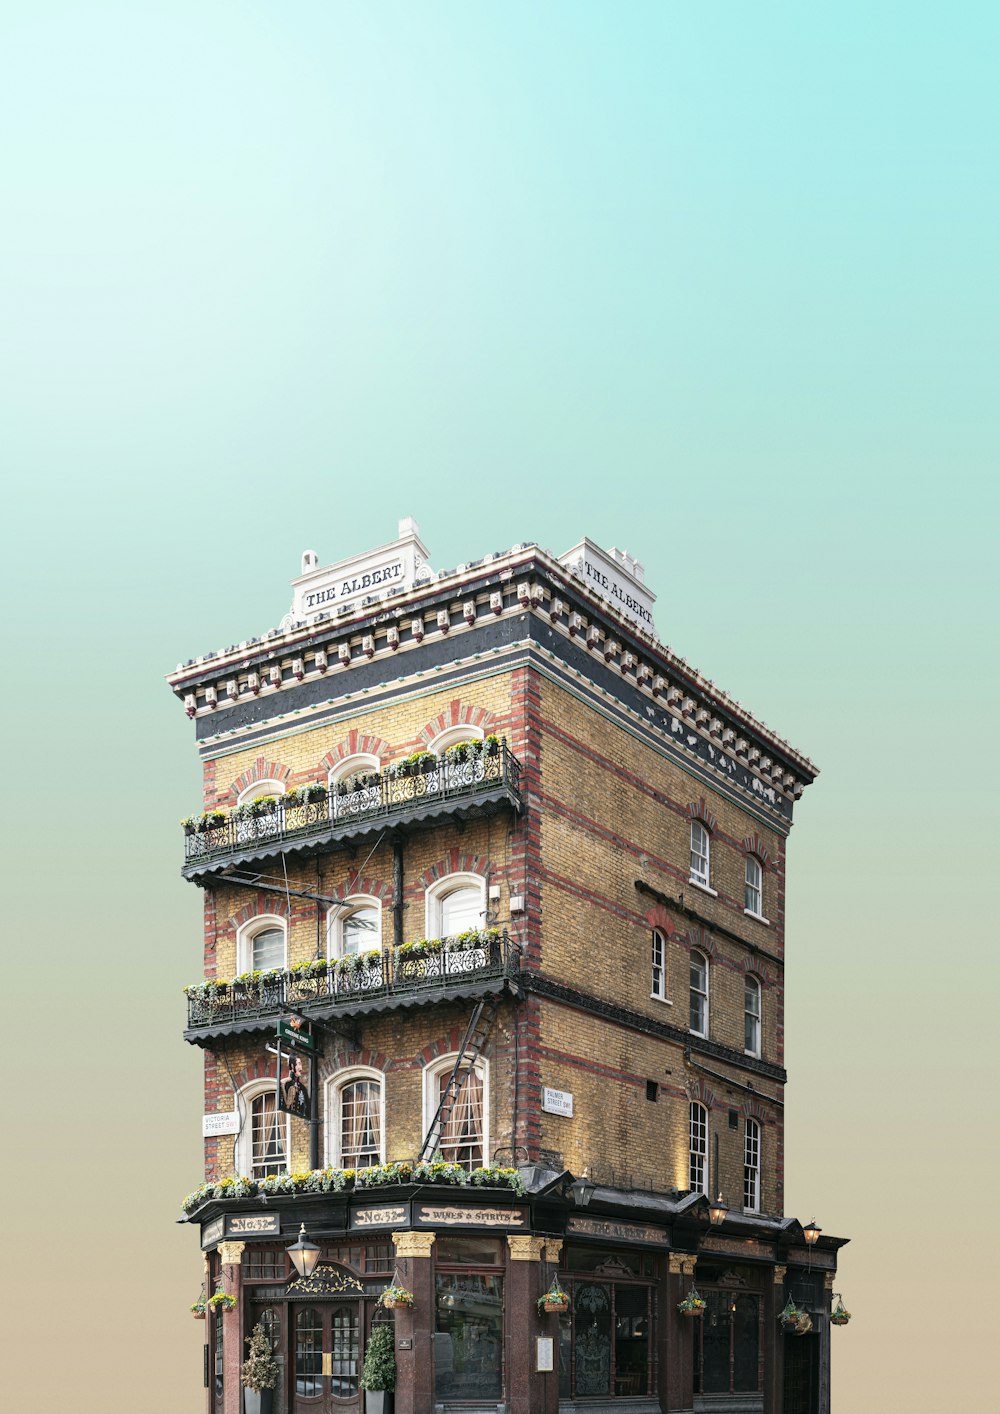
261,905
700,811
753,1109
261,770
264,1068
658,917
346,1060
360,884
752,844
454,862
355,744
701,939
698,1091
458,714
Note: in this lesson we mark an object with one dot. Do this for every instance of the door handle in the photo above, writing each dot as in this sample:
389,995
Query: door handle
327,1362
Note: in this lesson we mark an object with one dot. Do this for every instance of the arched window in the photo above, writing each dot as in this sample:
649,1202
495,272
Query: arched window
455,904
658,988
356,927
698,1148
751,1016
464,1137
260,788
262,1145
751,1166
452,737
699,994
700,867
355,1125
261,944
753,892
355,785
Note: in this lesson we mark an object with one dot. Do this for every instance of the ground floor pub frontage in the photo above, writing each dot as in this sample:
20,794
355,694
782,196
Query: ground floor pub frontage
477,1338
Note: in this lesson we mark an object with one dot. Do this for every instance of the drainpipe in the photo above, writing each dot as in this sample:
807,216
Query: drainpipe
397,889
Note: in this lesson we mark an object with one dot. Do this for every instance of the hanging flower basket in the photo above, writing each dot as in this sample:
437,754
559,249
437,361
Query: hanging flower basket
555,1299
790,1316
221,1301
198,1309
840,1315
692,1305
397,1298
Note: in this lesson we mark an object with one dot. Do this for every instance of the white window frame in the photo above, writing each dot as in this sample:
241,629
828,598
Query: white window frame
243,1148
693,991
256,788
360,762
658,967
697,1147
444,1065
333,1094
701,877
338,916
245,934
753,865
749,1014
438,891
452,736
751,1166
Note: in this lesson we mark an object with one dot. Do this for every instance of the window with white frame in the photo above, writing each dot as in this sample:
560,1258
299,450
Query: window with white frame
464,1137
699,994
751,1166
698,1148
659,966
455,904
751,1016
262,1145
753,892
355,1120
261,944
453,736
256,789
699,853
356,927
354,785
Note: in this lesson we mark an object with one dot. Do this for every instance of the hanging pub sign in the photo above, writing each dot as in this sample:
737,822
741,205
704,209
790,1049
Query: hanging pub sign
292,1034
293,1094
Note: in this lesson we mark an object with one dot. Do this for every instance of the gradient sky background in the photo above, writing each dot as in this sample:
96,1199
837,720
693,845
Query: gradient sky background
717,284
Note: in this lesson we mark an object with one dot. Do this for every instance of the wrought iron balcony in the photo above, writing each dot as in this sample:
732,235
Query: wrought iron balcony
482,783
416,974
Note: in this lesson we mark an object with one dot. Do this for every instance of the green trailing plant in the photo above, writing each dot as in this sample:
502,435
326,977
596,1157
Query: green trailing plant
379,1370
260,1369
331,1180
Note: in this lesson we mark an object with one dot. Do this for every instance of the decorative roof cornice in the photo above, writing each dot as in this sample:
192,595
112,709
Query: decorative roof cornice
522,580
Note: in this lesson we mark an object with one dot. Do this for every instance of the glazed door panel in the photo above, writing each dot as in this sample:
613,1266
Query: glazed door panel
326,1358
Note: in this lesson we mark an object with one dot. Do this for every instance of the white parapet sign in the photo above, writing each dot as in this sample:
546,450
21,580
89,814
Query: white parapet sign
616,576
326,589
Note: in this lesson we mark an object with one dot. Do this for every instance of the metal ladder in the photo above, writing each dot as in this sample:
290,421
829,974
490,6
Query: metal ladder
476,1033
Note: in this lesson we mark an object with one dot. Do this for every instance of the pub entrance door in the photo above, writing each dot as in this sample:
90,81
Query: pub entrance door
327,1349
801,1392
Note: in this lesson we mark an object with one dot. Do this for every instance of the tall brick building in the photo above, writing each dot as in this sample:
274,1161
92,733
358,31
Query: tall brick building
494,997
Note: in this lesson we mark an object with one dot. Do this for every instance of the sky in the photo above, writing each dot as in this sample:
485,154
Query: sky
715,284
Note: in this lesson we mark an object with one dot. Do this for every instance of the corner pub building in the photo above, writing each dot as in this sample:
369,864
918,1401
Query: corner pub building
494,981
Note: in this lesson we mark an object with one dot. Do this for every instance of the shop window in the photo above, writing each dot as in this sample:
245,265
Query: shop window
354,1120
698,1018
308,1353
219,1385
468,1340
264,1264
261,944
727,1344
751,1016
262,1144
698,1149
269,1319
605,1340
464,1135
699,854
753,892
751,1166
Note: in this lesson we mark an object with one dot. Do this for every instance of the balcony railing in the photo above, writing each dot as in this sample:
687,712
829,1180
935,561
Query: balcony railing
369,982
424,790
